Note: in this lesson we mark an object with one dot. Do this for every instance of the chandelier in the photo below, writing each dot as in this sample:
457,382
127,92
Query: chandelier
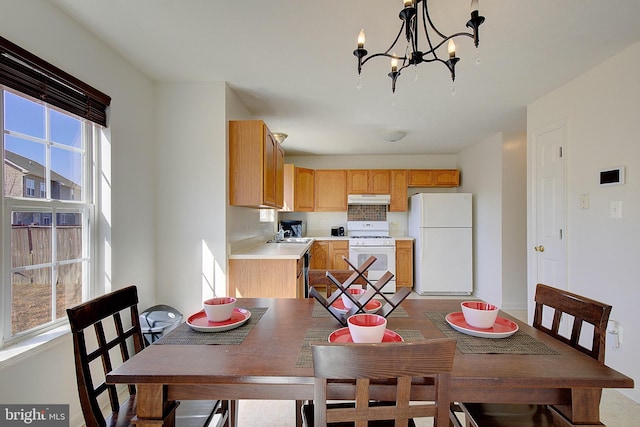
412,20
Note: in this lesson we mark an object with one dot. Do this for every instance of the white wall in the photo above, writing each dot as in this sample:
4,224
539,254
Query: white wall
601,108
494,171
127,238
191,182
481,167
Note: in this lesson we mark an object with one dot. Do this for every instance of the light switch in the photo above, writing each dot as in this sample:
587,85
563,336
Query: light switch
584,201
615,210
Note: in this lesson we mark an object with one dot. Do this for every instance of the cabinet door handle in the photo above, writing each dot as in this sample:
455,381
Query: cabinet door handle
538,248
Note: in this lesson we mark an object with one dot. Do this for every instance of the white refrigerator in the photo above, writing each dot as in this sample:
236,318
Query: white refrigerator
441,224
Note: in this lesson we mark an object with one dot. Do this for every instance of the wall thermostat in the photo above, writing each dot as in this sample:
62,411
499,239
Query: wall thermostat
612,176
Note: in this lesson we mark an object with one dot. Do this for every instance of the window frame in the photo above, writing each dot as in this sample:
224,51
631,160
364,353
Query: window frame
86,206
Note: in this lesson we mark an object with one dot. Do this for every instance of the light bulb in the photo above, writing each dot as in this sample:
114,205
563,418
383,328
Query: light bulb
361,39
452,48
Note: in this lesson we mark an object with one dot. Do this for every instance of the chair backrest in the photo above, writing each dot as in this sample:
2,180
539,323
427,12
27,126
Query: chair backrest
582,309
100,320
369,364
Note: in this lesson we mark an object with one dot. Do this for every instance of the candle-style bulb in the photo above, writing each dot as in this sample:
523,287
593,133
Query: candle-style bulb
408,3
394,63
452,48
361,39
474,6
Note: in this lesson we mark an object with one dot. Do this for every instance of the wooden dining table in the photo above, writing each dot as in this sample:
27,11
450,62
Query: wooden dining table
270,363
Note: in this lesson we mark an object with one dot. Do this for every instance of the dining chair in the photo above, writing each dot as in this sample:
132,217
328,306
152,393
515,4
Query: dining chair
102,340
569,309
365,365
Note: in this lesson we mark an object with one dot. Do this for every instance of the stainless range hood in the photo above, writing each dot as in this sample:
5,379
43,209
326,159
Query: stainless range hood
369,199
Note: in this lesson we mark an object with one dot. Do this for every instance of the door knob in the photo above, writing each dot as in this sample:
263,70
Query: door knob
539,248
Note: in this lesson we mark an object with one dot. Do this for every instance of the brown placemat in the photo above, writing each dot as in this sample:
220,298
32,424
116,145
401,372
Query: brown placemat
518,343
320,311
315,335
183,334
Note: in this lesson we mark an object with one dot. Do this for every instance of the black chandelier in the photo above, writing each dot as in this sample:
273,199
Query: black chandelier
413,55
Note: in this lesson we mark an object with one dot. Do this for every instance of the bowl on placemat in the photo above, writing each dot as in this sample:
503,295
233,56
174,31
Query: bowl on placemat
366,327
219,309
355,293
479,314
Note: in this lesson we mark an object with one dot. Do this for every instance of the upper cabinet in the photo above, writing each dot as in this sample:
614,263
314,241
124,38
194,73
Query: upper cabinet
298,189
434,178
256,165
330,190
363,181
399,199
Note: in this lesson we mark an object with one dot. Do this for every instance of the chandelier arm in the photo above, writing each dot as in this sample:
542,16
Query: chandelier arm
388,55
452,36
427,18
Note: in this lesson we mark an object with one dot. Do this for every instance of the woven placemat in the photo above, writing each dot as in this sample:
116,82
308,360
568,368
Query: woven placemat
315,335
183,334
518,343
320,311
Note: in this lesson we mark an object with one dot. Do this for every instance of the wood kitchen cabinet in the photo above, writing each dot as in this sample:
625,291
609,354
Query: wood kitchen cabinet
266,278
327,255
399,197
256,165
330,187
320,255
404,263
298,189
433,178
372,181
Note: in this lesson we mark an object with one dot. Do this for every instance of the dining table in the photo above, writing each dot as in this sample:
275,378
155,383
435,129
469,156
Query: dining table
268,357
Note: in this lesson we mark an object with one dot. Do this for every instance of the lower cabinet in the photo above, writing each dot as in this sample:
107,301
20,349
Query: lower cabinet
404,263
266,278
327,254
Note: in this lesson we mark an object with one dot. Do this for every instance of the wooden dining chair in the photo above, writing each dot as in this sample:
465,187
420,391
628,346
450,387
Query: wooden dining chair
365,365
102,340
568,309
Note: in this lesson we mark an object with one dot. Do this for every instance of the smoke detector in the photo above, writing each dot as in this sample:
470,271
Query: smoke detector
394,135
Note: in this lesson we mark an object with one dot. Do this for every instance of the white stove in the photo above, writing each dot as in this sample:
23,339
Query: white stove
367,238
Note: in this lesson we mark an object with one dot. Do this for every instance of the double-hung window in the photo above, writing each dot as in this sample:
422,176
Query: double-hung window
49,166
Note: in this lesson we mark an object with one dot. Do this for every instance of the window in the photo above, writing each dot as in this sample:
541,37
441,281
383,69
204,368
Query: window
51,123
49,232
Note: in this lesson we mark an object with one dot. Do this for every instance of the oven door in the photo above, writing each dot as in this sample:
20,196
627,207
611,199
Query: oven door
385,261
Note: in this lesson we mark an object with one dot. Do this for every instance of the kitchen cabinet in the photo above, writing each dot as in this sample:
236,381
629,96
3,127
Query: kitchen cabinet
433,178
298,189
256,166
327,254
320,255
372,181
337,250
404,263
266,278
399,197
330,187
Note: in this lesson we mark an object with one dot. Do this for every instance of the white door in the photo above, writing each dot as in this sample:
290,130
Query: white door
548,251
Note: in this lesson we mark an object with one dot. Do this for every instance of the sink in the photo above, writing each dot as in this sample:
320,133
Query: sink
304,240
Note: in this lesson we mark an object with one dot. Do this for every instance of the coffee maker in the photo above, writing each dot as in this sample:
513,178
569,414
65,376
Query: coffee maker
294,228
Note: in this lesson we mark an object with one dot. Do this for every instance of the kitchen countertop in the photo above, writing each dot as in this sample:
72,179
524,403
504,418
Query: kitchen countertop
286,250
274,251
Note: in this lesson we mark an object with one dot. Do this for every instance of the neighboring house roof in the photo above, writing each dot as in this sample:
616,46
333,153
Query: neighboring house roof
31,167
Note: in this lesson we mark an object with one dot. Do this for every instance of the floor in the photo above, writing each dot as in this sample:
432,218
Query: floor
616,410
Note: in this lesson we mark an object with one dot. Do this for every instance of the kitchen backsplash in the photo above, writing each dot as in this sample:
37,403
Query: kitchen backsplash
367,213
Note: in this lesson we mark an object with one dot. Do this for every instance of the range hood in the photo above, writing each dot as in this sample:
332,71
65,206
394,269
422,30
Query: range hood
369,199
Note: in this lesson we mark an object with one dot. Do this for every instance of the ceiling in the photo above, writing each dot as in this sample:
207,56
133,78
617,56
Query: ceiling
292,65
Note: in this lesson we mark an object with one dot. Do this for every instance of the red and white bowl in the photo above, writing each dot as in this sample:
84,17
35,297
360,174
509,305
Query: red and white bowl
366,327
219,309
355,293
479,314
